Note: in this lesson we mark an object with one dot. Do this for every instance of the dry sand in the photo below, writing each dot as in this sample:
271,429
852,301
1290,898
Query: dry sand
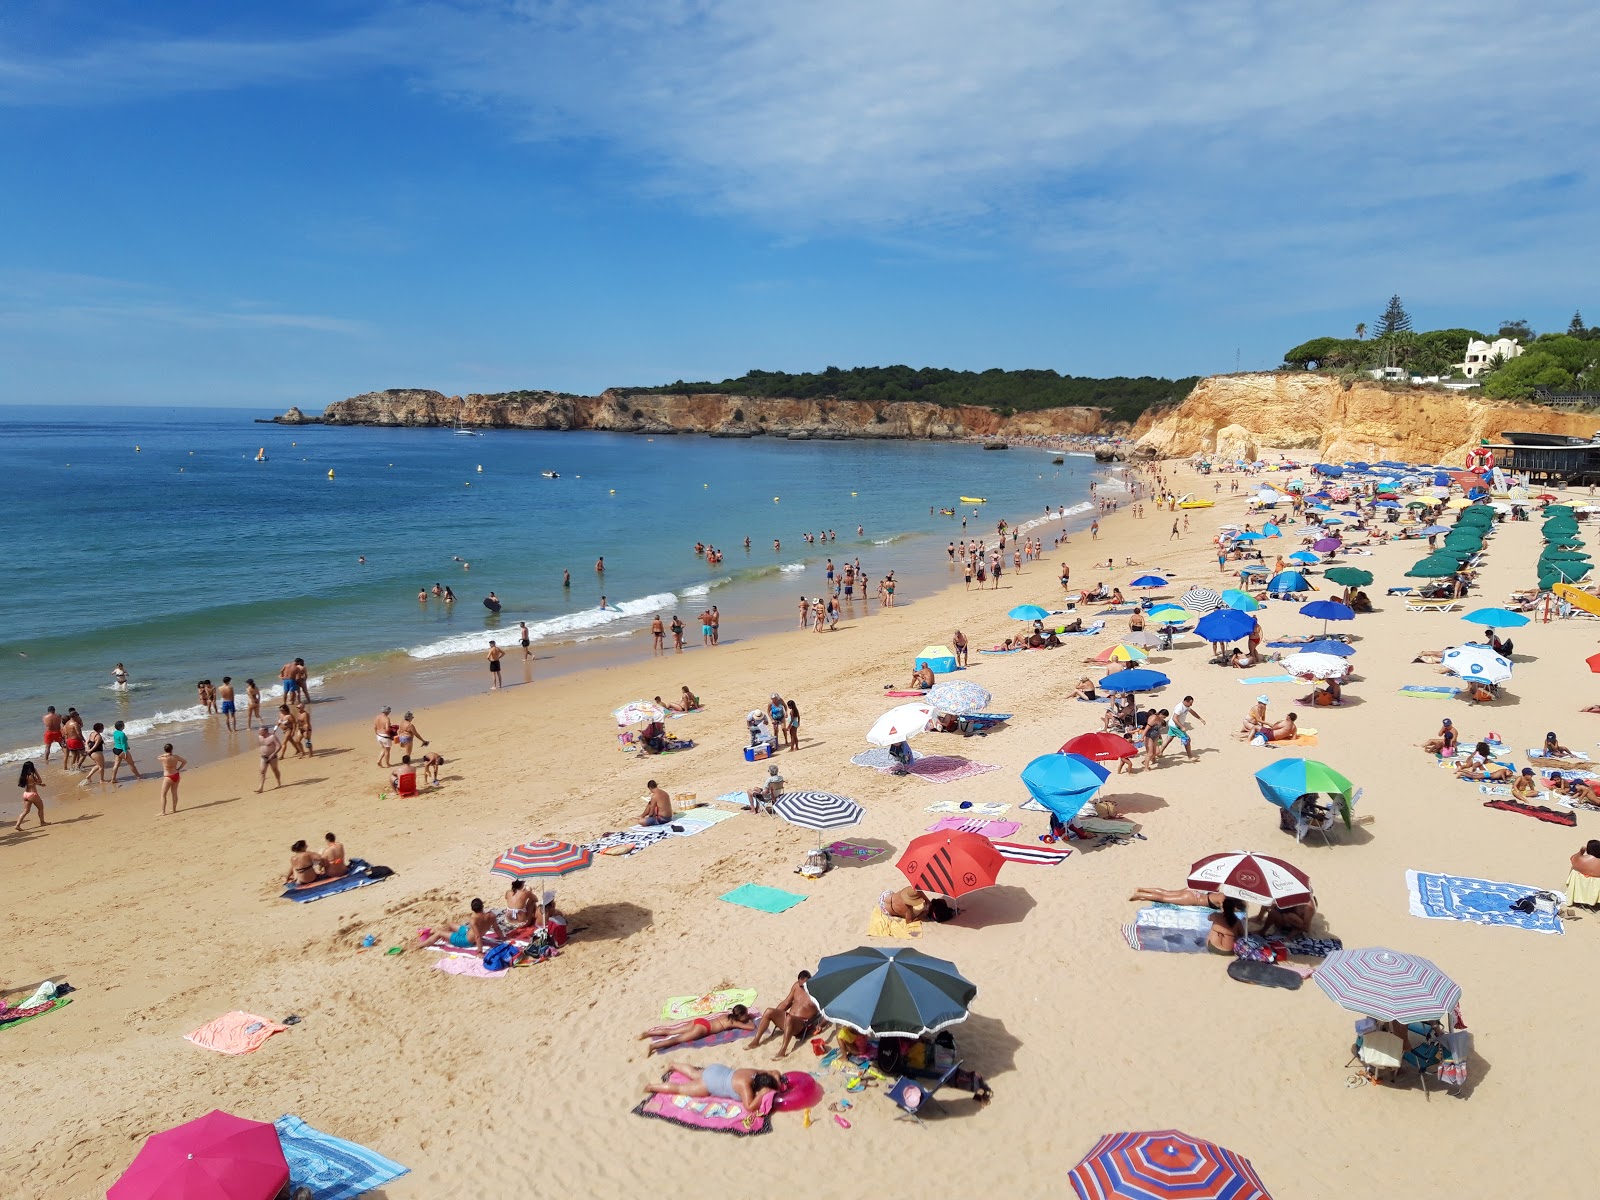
524,1085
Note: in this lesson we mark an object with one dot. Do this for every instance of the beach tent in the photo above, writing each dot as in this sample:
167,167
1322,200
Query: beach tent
1288,581
939,659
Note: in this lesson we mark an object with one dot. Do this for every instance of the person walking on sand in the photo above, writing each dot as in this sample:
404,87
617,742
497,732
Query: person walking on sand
303,720
527,648
226,703
30,782
121,752
252,699
270,748
289,730
494,656
658,636
1174,533
677,634
94,753
383,729
172,766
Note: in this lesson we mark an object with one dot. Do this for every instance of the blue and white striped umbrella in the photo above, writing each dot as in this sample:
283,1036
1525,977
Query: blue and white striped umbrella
957,697
817,810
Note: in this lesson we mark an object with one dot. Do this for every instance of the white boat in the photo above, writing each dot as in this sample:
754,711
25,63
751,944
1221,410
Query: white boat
465,431
550,474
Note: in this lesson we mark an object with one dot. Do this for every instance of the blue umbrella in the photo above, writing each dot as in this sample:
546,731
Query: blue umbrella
1329,470
1149,581
1243,601
1327,610
1137,680
1271,530
1496,618
1387,504
1169,614
1252,569
1322,646
1304,556
1286,780
1063,783
893,992
1332,521
1225,625
1028,612
1288,581
1433,530
1251,536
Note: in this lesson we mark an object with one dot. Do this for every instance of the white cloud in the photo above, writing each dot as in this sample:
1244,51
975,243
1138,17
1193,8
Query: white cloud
53,301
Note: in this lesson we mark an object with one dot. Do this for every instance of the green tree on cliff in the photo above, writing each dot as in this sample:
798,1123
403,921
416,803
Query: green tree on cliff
1575,327
1395,319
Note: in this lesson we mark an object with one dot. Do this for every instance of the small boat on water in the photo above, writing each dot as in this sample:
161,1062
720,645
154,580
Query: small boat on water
974,500
466,430
551,474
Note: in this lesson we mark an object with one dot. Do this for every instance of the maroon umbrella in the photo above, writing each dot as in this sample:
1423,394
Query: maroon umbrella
215,1157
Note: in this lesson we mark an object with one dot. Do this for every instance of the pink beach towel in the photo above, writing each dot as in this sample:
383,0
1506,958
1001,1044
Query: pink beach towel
467,964
947,768
710,1114
234,1033
989,829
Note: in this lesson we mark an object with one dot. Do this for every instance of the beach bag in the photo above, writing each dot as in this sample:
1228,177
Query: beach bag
498,958
816,864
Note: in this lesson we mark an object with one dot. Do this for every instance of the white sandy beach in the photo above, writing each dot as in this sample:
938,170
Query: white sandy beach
524,1084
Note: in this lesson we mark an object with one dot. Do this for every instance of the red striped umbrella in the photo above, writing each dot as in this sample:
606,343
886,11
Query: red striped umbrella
1100,747
1164,1165
951,863
1387,984
1256,878
542,858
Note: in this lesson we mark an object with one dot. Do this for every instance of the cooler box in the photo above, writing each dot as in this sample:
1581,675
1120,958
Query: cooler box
757,753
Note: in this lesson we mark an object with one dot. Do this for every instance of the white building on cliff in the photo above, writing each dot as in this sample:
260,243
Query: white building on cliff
1480,355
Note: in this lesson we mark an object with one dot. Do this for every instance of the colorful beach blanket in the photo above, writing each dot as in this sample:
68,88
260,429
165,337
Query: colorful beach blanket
1038,855
1418,690
1537,754
762,898
1169,929
359,875
1256,948
854,850
234,1033
331,1167
711,1115
973,808
683,1008
17,1016
719,1039
1480,901
1539,812
634,839
881,924
931,768
989,829
739,798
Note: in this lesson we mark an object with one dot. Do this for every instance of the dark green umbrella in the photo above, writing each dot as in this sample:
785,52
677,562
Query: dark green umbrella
1434,568
897,992
1349,576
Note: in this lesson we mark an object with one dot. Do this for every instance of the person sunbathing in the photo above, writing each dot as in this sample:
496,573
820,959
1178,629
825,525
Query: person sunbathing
1084,689
715,1081
1290,920
1479,767
1429,656
796,1015
481,930
1361,603
1444,744
303,865
1188,897
1285,730
922,678
1073,626
908,903
1226,926
1326,693
332,857
1120,715
678,1033
1255,721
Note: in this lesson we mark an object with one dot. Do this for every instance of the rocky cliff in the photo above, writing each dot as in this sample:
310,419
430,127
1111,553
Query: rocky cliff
1246,416
732,416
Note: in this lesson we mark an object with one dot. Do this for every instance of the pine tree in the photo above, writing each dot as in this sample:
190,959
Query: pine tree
1575,328
1395,319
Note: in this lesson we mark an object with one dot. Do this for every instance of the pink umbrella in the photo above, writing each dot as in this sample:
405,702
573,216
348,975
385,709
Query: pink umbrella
215,1157
1256,878
1326,545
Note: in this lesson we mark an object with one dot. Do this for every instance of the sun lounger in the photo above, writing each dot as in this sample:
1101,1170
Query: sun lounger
1419,604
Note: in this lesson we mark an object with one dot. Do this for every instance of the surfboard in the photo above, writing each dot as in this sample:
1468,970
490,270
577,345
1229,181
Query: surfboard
491,605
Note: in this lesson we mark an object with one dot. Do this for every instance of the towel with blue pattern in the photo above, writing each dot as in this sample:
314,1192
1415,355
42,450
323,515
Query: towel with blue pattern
1441,897
331,1167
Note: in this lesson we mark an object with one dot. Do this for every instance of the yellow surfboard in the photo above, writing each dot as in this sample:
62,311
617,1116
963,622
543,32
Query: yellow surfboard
974,500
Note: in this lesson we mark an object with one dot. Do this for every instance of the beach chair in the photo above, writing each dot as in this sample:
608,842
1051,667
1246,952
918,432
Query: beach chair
912,1097
406,785
1377,1050
1419,604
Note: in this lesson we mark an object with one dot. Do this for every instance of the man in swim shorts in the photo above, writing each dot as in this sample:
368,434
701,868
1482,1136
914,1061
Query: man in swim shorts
714,1080
527,652
657,807
72,740
794,1015
495,655
225,702
52,732
290,681
384,730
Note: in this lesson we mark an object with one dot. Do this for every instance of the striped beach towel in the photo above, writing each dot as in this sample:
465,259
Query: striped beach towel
1039,855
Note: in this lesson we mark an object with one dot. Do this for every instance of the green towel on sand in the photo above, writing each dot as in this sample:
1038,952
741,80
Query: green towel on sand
679,1008
763,899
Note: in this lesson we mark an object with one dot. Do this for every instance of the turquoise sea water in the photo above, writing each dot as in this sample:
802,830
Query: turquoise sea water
152,537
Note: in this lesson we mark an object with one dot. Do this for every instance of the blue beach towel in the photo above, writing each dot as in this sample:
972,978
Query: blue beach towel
1251,680
1479,901
1413,689
763,899
358,876
331,1167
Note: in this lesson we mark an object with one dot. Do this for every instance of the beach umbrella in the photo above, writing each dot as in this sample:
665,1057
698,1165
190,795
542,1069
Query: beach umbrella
1164,1165
1141,680
1593,660
1063,783
1432,530
1121,652
1418,504
1458,503
1348,576
635,711
1149,581
1386,502
1249,536
1253,878
1286,780
1433,567
1496,618
1254,569
1027,612
1388,985
1315,666
1305,556
1243,601
1201,599
895,992
819,811
1327,610
1332,521
958,698
951,863
1145,641
1225,625
1478,663
1169,614
899,724
1271,530
1328,646
1104,747
1288,581
215,1157
940,659
534,859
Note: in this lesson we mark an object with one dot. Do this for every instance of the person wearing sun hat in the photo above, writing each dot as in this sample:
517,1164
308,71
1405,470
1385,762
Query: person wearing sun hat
1255,721
1444,744
909,903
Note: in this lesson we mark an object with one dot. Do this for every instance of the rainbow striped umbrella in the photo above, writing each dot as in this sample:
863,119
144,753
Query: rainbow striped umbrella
1387,984
542,858
1164,1165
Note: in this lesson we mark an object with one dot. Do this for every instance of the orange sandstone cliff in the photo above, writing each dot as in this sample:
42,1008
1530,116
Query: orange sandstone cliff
1247,416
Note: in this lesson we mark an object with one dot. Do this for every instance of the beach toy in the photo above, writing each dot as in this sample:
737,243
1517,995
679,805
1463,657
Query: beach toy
395,950
369,940
840,1121
808,1119
800,1091
422,934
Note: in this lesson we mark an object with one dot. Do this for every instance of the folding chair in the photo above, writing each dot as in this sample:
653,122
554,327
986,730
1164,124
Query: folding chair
912,1097
1378,1051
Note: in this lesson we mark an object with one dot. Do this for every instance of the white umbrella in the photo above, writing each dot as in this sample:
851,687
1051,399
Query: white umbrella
1477,662
1317,666
1201,600
635,711
900,723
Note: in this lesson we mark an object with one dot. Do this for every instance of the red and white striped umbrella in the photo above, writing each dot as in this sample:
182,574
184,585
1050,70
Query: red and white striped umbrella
1254,878
542,858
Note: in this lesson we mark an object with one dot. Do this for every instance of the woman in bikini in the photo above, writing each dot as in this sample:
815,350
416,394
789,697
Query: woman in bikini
94,753
677,1033
172,766
1226,926
333,863
289,730
30,782
1185,896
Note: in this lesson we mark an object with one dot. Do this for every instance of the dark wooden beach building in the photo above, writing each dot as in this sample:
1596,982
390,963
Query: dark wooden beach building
1549,457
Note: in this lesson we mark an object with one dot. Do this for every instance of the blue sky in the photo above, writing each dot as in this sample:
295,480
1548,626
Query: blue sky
262,205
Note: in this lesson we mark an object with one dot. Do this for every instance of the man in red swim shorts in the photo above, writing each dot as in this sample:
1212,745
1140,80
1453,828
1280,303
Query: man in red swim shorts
52,731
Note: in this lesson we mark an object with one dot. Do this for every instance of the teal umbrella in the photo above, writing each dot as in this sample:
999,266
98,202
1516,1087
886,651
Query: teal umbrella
1348,576
894,992
1028,612
1243,601
1433,568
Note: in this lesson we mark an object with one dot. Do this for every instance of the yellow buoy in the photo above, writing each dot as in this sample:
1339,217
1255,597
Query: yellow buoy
613,491
330,472
774,499
136,449
852,493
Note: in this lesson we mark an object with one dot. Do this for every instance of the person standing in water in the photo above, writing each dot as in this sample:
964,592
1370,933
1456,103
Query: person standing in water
119,677
226,704
566,579
600,565
527,649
